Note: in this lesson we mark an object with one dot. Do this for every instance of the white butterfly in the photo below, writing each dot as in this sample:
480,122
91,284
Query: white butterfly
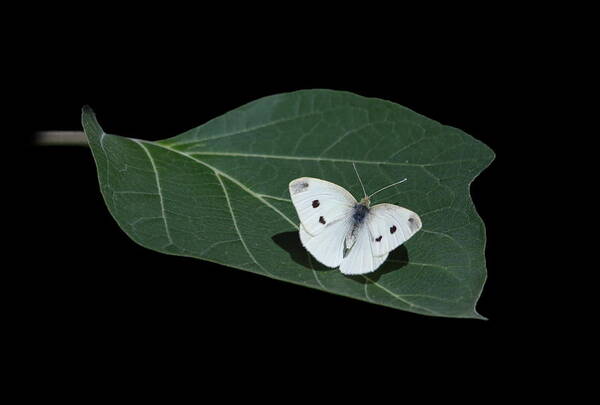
339,231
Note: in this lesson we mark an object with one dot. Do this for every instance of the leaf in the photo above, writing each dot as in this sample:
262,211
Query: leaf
219,192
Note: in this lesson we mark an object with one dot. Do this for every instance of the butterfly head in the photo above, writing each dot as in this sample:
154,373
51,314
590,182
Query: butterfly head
365,201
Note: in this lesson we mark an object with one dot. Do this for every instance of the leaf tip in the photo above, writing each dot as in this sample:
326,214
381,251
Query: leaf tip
476,315
86,109
89,122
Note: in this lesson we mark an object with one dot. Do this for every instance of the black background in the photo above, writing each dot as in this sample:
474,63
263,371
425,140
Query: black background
93,293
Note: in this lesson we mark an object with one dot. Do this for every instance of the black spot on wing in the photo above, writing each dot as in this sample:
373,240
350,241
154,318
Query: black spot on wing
393,229
322,220
414,223
316,203
379,238
299,187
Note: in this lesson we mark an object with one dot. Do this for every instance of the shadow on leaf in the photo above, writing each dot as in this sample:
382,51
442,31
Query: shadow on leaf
290,242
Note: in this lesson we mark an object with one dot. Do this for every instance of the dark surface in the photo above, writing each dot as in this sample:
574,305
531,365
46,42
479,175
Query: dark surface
82,283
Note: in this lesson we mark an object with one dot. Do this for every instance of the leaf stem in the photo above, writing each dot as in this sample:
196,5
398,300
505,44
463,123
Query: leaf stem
62,138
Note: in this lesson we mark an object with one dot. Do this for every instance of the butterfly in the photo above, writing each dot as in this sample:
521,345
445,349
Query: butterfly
342,232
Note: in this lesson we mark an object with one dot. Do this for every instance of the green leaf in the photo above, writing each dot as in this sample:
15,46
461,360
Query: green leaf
219,192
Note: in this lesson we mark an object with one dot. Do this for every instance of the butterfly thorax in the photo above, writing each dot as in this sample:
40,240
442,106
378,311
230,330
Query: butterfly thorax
359,214
360,211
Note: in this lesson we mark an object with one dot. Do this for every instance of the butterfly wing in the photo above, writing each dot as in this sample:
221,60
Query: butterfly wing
327,228
390,226
385,227
327,246
360,258
320,203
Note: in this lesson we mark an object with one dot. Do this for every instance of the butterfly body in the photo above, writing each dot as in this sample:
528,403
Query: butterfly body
360,212
342,232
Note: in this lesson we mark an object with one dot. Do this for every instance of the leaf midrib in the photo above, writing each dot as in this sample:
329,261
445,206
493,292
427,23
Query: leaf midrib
318,159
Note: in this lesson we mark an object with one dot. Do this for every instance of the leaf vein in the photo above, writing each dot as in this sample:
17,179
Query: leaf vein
160,194
245,130
233,180
343,136
315,272
235,225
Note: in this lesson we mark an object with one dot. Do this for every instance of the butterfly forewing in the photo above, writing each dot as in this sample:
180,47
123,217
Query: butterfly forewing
390,226
319,203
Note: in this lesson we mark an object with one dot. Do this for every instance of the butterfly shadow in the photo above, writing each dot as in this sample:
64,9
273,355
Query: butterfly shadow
290,242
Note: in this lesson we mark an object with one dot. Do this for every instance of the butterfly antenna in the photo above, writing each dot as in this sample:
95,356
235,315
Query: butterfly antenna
393,184
361,183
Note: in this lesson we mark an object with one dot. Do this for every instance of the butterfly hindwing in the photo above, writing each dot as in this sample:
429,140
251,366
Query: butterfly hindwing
390,226
328,246
360,259
319,203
